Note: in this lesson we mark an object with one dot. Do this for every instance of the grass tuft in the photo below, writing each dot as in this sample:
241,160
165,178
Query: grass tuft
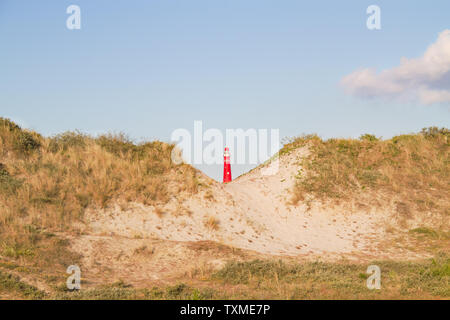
13,285
413,169
211,223
50,182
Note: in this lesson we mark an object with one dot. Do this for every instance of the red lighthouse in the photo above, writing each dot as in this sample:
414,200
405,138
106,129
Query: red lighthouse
226,166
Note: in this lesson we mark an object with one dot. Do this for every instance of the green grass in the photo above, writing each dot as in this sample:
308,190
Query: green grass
122,291
8,184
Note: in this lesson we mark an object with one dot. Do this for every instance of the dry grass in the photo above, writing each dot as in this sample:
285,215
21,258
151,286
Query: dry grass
211,223
48,183
414,170
425,232
270,279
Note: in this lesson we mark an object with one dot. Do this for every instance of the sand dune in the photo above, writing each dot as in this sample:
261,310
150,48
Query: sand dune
252,213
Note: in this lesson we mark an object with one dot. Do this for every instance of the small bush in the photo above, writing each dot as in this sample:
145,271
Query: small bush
11,284
433,132
9,125
18,140
368,137
25,142
118,144
8,184
425,231
413,167
66,140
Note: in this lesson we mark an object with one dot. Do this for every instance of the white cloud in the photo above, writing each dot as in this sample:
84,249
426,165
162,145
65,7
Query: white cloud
425,79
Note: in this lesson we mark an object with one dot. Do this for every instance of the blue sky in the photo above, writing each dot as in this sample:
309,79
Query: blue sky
149,67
